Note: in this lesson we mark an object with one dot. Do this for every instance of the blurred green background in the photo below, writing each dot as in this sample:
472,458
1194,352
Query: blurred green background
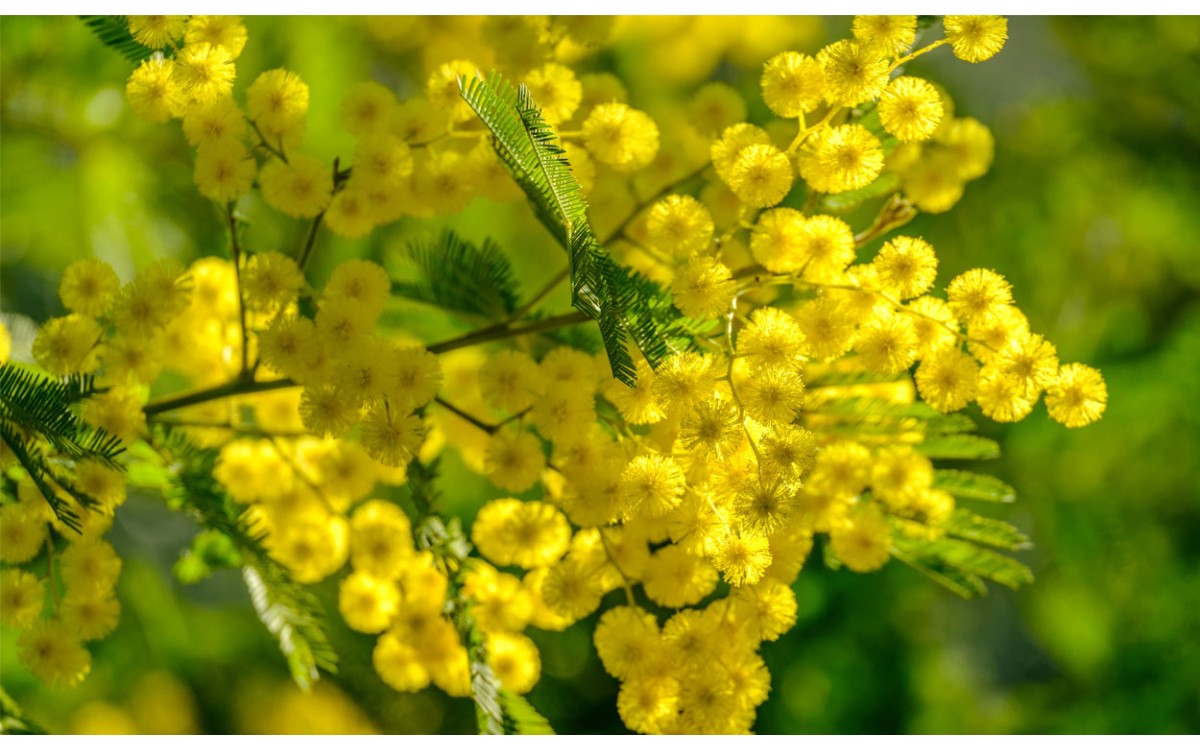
1092,209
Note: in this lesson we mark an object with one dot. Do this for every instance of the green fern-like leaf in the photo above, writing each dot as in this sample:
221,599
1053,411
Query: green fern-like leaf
290,611
972,486
960,565
629,309
457,276
113,31
972,527
964,447
520,717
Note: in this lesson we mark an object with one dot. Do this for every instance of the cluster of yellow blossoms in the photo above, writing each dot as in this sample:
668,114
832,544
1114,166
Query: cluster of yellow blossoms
703,486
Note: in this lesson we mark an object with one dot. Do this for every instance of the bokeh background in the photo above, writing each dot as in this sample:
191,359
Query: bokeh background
1092,209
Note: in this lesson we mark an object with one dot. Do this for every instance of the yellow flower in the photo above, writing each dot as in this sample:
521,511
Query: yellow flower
676,579
53,654
846,157
724,151
368,107
703,288
224,170
153,92
711,426
742,556
971,146
624,138
975,293
93,615
205,72
906,267
793,84
910,109
894,34
22,596
1002,397
625,639
301,188
888,344
555,91
773,395
213,122
220,31
156,32
510,381
90,566
391,437
527,534
514,460
976,38
443,91
854,72
652,486
947,379
1078,396
862,542
715,106
89,286
276,99
680,225
760,176
68,345
514,660
381,160
349,213
367,603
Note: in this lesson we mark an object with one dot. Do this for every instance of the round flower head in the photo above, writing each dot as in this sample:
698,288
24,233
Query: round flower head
510,381
555,90
742,556
976,38
442,89
276,99
704,288
893,34
54,654
22,596
910,109
887,345
975,293
846,157
725,150
626,637
156,32
906,267
712,426
772,339
651,486
153,92
854,72
220,31
67,345
863,542
205,72
209,123
381,160
301,188
224,171
367,108
514,660
680,225
793,84
89,286
527,534
624,138
1003,397
1078,397
367,603
514,460
391,437
971,146
349,213
716,106
760,176
946,380
933,184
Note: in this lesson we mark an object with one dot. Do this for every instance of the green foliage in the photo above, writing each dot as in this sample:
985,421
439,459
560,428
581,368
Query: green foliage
858,416
960,565
35,411
992,531
520,717
13,720
113,31
459,277
627,306
290,611
965,447
972,486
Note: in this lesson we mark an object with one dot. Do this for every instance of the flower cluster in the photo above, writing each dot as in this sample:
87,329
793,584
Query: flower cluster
689,500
